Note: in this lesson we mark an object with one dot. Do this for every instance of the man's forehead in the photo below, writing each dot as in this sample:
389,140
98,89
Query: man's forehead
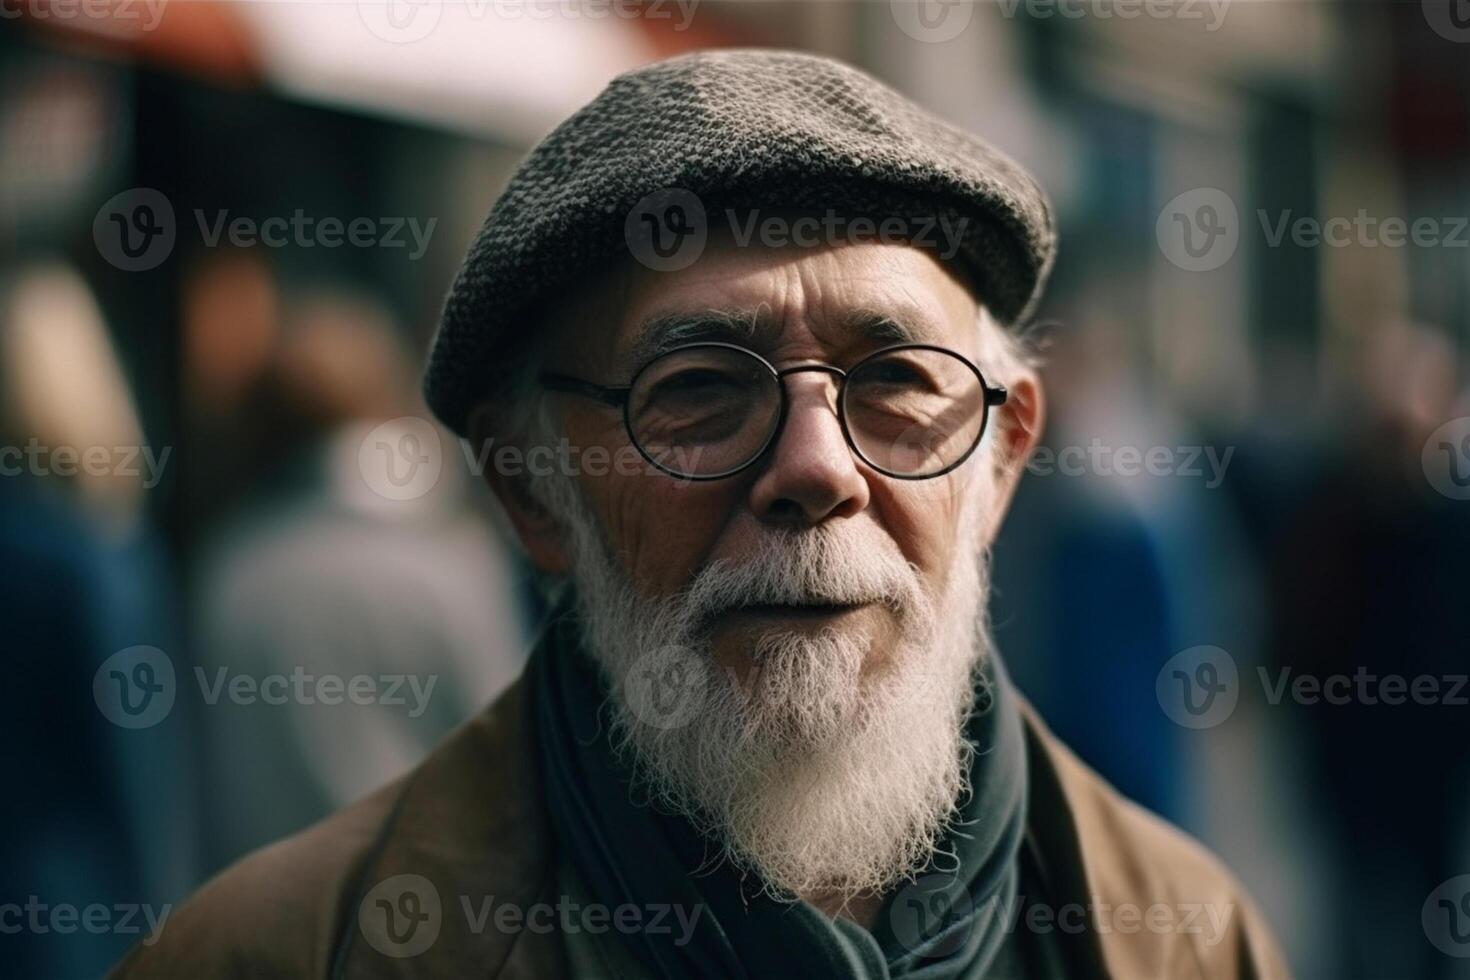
867,295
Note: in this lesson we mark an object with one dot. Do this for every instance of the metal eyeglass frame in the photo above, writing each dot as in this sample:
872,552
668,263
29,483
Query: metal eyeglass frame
616,396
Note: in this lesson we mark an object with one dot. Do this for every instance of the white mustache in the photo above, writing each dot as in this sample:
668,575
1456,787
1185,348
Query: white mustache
804,568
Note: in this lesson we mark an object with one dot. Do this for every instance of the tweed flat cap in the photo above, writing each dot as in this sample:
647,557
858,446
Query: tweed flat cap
727,130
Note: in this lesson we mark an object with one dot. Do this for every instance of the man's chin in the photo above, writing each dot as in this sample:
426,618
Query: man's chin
740,643
820,808
782,736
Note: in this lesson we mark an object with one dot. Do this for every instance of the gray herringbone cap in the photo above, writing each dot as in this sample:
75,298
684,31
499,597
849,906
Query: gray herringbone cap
769,130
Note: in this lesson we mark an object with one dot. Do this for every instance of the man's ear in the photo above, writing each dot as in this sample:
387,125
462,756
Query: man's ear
1017,427
538,530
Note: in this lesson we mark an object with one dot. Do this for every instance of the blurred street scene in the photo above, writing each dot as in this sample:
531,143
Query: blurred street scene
225,232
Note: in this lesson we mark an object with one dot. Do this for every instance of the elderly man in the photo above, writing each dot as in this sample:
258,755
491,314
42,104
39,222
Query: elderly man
755,316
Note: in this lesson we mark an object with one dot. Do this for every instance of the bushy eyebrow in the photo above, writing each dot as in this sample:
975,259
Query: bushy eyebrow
885,328
754,328
662,334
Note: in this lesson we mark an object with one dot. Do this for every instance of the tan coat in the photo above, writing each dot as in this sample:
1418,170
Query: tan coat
1133,897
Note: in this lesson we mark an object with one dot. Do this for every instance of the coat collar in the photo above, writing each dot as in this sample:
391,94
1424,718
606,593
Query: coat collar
471,822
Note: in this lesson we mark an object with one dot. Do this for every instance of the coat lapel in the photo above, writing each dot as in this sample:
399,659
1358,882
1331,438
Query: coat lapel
465,850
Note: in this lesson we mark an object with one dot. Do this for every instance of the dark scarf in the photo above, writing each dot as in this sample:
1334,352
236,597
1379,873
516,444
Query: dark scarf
630,853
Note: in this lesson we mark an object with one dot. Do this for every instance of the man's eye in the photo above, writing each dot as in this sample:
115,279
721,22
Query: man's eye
894,373
698,383
696,378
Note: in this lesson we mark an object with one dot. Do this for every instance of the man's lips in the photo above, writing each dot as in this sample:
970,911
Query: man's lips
796,611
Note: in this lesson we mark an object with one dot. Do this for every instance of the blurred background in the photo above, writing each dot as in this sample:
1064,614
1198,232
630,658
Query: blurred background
225,232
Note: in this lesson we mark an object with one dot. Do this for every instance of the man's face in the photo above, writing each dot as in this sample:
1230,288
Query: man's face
823,620
831,305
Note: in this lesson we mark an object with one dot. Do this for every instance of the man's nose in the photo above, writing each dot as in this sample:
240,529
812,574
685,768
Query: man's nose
811,473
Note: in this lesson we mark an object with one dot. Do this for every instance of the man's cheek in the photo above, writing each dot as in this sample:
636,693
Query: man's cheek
919,525
659,532
704,521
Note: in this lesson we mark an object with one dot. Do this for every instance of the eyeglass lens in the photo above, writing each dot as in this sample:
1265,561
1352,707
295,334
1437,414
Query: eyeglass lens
706,411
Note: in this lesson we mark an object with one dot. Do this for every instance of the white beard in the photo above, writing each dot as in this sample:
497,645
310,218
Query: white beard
820,779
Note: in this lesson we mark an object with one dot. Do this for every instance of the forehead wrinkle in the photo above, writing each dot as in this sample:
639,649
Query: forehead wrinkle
757,328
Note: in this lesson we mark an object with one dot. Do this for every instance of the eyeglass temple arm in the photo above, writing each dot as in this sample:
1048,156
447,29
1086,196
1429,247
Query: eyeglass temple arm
614,395
996,395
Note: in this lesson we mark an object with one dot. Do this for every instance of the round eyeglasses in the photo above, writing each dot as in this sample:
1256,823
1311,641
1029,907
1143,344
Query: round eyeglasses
708,410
